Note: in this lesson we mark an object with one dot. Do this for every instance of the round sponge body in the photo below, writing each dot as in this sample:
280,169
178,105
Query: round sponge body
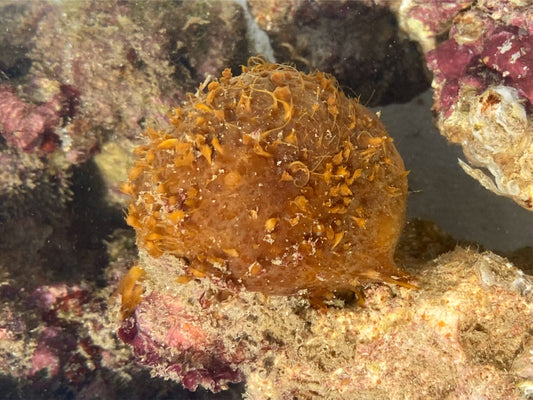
274,181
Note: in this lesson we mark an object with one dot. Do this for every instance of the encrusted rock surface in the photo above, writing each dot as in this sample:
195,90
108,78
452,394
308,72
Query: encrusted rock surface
143,56
465,333
426,21
357,41
483,83
95,72
58,334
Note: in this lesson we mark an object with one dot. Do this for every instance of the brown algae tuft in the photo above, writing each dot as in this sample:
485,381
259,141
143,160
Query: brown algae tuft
273,180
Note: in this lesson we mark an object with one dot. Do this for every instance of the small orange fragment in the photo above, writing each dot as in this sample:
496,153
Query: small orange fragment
130,291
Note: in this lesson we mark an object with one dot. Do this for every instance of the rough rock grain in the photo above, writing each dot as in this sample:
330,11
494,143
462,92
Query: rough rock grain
464,334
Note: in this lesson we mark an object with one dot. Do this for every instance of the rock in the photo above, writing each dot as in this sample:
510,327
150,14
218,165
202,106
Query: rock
357,41
483,96
463,334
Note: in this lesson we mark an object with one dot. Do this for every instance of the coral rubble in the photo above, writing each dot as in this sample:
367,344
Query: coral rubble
483,84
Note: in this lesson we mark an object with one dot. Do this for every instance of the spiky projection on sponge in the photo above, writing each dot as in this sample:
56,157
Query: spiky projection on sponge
273,180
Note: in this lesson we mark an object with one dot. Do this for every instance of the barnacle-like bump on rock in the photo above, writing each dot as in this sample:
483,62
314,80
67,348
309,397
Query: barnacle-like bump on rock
273,180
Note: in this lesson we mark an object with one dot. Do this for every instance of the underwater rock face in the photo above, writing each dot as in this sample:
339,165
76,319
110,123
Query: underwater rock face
57,61
89,76
483,84
144,56
465,334
274,180
481,56
357,41
425,21
30,127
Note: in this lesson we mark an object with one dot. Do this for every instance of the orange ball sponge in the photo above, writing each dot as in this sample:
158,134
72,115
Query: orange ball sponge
274,180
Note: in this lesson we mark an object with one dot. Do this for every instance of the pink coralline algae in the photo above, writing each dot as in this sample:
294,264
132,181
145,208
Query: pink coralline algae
60,346
32,127
510,52
65,339
46,355
501,55
483,81
425,20
200,359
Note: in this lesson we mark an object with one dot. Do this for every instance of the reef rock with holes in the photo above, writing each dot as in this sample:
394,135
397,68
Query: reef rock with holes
484,92
464,334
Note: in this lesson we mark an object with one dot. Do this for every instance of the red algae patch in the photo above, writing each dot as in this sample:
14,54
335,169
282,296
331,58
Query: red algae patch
274,181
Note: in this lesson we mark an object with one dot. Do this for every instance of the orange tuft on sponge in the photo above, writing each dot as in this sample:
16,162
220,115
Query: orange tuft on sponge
273,180
130,291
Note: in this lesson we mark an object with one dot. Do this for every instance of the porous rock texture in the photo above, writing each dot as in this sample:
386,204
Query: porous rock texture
466,333
481,55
